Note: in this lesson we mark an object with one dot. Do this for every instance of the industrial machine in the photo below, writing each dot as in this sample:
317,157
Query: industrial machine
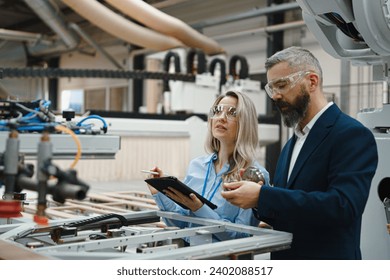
190,97
238,79
211,80
137,236
32,131
36,121
358,30
129,235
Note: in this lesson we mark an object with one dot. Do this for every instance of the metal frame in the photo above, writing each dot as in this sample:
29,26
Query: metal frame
93,146
133,237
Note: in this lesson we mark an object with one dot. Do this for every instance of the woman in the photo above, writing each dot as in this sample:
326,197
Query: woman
231,145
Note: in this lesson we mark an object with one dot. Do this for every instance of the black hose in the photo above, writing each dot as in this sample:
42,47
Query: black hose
222,66
384,189
167,63
201,67
122,219
244,69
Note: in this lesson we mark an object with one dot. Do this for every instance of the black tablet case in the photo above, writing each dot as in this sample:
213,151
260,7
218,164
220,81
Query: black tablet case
161,183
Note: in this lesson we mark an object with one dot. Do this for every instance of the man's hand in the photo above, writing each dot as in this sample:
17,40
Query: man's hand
244,194
191,201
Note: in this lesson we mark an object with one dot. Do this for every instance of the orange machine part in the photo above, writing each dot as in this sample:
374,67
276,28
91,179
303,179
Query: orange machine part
10,208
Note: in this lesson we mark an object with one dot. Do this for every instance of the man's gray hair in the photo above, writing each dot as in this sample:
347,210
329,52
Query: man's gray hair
297,58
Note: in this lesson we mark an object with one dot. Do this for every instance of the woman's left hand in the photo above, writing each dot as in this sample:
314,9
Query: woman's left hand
191,201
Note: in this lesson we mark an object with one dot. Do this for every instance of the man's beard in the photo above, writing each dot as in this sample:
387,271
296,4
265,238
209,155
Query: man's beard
292,114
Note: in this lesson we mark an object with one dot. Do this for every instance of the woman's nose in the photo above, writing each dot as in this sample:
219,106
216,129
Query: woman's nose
222,115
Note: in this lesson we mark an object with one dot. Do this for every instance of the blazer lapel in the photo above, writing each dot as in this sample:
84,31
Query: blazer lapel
284,163
288,159
316,135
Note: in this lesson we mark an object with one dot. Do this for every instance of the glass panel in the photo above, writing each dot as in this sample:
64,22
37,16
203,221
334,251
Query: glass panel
95,99
118,100
72,99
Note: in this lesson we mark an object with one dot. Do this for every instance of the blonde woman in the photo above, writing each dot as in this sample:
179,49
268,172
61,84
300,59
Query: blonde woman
231,143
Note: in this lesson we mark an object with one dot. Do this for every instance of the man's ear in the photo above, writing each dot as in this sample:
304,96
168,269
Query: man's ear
314,80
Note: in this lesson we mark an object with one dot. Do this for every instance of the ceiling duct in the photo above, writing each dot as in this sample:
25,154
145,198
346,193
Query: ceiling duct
166,24
118,26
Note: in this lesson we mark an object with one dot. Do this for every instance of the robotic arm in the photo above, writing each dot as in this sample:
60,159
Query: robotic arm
357,30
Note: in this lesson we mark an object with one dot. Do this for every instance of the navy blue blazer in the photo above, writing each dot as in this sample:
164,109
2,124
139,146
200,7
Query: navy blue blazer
323,201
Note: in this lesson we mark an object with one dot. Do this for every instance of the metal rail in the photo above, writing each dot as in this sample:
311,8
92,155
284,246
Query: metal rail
29,72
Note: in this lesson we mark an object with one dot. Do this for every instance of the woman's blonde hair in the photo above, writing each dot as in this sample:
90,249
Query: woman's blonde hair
247,135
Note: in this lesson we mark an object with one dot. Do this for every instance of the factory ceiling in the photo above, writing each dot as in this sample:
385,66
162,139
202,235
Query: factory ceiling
49,28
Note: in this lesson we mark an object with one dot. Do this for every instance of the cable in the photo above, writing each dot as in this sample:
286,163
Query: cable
94,117
77,141
25,108
103,217
26,119
123,221
347,28
32,127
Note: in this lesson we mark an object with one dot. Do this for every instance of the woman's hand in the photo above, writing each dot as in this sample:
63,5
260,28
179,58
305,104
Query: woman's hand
160,174
191,201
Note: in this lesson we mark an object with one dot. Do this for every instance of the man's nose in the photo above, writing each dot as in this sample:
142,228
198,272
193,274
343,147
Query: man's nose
276,96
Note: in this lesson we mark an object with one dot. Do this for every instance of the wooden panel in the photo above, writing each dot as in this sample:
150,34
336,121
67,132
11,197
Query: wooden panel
13,251
96,203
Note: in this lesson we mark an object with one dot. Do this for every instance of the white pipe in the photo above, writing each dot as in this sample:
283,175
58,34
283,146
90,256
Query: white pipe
166,24
279,8
39,44
120,27
265,29
13,35
48,13
167,3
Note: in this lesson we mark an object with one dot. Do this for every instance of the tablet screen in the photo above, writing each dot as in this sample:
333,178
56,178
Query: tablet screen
161,183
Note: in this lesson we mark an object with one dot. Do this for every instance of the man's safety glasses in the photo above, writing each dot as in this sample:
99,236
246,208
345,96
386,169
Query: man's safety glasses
282,85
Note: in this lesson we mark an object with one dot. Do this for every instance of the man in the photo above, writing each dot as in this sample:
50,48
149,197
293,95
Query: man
324,171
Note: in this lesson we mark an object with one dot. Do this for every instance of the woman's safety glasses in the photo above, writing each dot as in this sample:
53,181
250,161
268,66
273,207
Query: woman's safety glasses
219,111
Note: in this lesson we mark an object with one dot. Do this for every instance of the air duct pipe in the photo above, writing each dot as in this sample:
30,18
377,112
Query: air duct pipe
122,28
166,24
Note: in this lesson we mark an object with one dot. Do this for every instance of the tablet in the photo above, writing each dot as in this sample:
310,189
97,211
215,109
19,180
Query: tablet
161,183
